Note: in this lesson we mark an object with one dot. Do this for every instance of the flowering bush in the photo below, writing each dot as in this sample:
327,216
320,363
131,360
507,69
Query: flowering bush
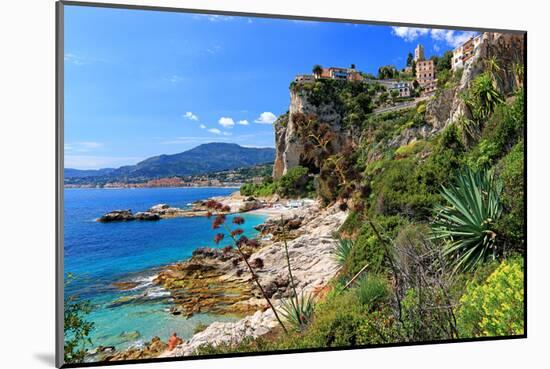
495,307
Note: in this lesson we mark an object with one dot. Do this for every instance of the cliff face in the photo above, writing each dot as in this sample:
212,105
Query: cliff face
289,145
443,109
507,49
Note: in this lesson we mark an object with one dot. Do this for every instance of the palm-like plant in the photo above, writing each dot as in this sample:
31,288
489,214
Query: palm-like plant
317,70
467,222
493,68
343,250
483,97
298,312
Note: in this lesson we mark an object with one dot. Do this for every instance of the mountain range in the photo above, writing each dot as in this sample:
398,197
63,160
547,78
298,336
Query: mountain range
205,158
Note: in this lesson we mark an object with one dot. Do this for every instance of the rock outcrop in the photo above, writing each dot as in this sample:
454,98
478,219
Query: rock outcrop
126,215
313,265
290,150
448,106
148,350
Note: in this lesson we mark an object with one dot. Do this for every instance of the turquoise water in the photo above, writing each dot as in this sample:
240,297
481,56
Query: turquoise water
102,253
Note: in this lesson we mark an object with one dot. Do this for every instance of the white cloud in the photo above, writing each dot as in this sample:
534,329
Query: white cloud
226,122
215,131
436,48
409,33
266,117
175,79
453,38
213,17
189,115
214,49
202,126
243,122
226,133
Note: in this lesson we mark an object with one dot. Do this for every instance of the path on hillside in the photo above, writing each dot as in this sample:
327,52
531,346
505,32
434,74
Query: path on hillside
400,106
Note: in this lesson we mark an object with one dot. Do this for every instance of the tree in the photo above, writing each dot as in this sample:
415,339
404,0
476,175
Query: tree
77,328
444,63
394,95
352,66
410,60
387,72
317,70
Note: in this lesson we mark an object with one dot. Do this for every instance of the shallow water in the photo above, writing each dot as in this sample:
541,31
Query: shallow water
99,254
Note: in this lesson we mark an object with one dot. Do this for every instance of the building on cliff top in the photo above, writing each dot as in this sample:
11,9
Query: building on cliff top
348,74
425,75
463,54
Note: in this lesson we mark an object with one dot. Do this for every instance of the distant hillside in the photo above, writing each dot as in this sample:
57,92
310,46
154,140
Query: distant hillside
84,173
206,158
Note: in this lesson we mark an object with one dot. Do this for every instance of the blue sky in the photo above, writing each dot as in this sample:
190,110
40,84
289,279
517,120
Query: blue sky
142,83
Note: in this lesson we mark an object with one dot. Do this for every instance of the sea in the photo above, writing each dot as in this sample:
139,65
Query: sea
100,254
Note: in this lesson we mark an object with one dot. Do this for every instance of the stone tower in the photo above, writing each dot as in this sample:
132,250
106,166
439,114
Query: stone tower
419,53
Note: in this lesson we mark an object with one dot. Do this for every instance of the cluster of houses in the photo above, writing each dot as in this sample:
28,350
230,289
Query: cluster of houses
425,70
463,54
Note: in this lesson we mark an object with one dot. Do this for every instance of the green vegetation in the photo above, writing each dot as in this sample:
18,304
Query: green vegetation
511,224
298,311
343,251
495,306
432,246
466,223
296,183
77,328
373,291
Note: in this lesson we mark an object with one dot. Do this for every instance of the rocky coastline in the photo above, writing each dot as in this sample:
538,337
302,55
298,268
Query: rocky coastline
311,252
215,280
235,203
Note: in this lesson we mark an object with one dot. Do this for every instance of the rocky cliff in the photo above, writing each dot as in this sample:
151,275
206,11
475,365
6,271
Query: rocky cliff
290,145
441,110
507,49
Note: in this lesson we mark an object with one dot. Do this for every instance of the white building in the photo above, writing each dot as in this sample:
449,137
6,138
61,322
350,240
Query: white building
403,88
462,55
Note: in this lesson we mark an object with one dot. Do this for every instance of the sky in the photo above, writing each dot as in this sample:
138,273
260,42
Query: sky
143,83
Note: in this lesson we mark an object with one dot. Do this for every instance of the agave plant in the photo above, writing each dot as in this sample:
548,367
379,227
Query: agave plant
343,250
298,312
467,222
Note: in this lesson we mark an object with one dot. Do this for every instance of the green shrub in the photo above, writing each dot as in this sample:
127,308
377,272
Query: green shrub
372,291
336,322
351,225
266,188
400,190
367,247
503,130
494,307
511,225
295,183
